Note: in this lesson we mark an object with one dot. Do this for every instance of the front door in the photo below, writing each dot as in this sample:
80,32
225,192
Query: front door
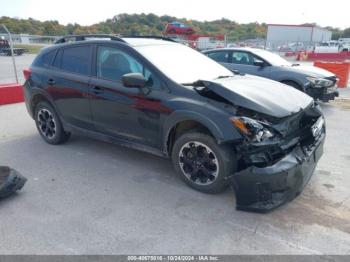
130,113
245,62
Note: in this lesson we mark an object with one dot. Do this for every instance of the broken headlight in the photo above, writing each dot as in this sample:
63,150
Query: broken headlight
254,130
319,82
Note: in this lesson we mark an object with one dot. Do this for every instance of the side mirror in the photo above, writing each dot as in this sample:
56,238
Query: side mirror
259,63
134,80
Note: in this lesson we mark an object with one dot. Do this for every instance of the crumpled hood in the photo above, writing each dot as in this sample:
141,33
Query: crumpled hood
311,71
260,94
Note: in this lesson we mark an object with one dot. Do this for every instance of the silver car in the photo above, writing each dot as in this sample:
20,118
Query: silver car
316,82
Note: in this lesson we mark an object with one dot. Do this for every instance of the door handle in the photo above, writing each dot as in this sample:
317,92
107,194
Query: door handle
97,90
51,82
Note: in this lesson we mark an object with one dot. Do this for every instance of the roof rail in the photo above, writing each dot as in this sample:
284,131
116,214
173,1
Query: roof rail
76,38
151,37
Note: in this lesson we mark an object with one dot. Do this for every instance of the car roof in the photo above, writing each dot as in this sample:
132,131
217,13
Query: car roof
146,41
129,41
132,41
250,49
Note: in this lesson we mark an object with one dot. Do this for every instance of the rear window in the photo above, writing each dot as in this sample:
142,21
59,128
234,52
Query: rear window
45,60
58,59
76,59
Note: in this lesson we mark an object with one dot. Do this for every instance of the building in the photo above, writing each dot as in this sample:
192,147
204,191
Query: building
295,36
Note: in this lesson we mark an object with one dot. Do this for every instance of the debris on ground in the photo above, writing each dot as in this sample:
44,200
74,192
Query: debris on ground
10,181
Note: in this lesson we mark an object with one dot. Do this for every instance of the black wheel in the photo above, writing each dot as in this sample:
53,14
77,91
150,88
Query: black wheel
49,125
202,163
293,84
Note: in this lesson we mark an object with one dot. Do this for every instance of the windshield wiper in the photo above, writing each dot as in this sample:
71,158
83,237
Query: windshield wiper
237,72
201,82
221,77
195,83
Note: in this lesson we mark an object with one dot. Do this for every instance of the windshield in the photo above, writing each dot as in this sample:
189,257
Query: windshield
272,58
181,63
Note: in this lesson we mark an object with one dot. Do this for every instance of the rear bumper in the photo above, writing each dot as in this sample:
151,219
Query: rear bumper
27,97
263,189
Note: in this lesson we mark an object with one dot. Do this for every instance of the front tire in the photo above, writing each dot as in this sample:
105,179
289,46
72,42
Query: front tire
49,125
202,163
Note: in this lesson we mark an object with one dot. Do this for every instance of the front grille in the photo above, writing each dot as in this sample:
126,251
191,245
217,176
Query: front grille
333,79
299,126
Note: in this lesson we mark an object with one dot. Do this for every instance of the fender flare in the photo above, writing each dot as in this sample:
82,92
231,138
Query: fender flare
183,115
37,91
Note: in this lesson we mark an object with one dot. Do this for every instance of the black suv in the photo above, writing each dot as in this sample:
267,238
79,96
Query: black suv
219,128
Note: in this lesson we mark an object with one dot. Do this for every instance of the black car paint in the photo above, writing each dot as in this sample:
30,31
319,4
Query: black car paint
168,106
94,107
262,189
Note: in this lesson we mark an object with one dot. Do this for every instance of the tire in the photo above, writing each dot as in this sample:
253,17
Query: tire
293,84
221,156
49,125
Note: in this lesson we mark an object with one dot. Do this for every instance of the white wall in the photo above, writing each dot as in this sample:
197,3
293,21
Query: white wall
320,35
282,34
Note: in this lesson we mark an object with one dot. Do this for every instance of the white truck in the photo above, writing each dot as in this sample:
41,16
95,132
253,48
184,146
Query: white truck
332,47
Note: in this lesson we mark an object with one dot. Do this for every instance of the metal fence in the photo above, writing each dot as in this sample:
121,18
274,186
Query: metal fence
8,67
13,46
27,39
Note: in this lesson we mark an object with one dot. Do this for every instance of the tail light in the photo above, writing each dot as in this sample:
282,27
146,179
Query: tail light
27,73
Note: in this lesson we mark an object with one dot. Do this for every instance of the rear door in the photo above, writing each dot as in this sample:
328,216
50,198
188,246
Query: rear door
68,84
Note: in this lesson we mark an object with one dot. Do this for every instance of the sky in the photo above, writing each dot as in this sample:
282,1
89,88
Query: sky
334,13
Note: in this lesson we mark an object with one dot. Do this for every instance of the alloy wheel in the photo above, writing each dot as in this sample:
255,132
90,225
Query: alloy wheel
47,124
198,163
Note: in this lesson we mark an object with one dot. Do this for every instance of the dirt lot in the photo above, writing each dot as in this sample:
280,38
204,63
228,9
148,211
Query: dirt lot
89,197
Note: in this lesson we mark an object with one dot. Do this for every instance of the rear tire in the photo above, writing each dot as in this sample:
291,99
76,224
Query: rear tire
202,163
49,125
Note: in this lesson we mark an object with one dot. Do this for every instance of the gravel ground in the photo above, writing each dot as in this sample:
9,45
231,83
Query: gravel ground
7,74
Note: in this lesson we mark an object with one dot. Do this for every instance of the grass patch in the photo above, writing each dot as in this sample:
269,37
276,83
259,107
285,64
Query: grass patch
32,49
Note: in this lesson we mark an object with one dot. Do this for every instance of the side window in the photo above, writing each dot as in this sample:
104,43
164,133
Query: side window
113,63
221,56
242,58
76,59
257,60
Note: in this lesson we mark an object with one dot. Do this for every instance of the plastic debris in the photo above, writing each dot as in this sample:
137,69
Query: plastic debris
10,181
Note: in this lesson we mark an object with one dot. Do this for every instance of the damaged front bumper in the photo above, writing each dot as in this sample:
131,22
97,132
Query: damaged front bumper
262,189
323,94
